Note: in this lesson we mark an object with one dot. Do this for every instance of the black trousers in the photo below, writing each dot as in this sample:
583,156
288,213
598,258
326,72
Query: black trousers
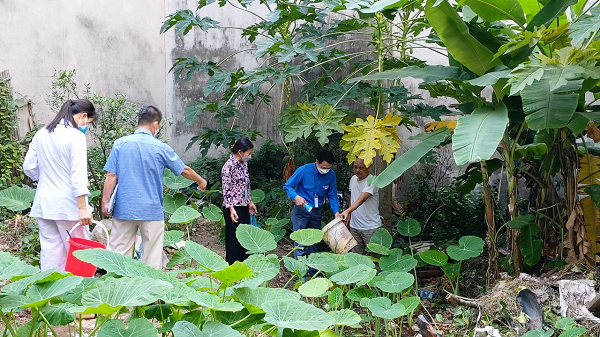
233,250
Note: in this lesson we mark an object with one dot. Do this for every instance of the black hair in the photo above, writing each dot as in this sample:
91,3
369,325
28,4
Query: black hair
325,156
70,108
149,114
243,144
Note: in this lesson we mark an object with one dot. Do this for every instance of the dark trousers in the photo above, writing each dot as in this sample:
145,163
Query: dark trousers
233,250
302,219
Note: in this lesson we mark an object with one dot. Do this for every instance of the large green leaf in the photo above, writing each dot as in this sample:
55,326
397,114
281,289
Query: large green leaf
434,257
345,317
257,297
382,307
585,27
266,267
172,237
409,228
110,295
453,31
119,264
58,314
296,266
212,213
205,257
552,10
468,247
490,78
233,273
539,333
410,157
335,298
139,327
428,74
382,237
178,295
296,315
477,135
254,239
397,262
16,198
209,329
322,262
551,101
184,214
530,244
410,303
354,259
175,182
213,302
315,287
40,293
257,196
19,286
11,266
395,282
307,237
498,10
173,202
351,275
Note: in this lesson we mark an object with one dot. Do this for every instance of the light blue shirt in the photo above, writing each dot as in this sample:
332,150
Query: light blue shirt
139,161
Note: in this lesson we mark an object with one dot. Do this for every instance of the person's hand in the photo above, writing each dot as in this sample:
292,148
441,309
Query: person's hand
202,185
252,207
338,215
85,217
233,215
299,201
105,208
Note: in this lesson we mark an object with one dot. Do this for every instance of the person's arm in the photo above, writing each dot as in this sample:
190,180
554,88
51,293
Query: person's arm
190,174
332,196
290,185
109,186
79,178
361,199
30,164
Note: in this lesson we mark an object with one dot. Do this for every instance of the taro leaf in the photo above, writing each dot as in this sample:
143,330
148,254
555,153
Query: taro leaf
354,259
351,275
395,282
345,317
110,295
240,320
564,323
396,262
120,265
409,228
266,267
382,237
172,202
213,302
382,307
236,272
368,278
410,303
184,214
468,247
356,294
39,294
58,314
139,327
322,262
205,257
11,266
434,257
335,298
175,182
212,213
16,198
295,266
521,221
452,270
573,332
307,237
172,237
377,249
13,302
254,239
19,286
539,333
296,315
258,296
202,283
315,287
160,312
209,329
257,196
178,295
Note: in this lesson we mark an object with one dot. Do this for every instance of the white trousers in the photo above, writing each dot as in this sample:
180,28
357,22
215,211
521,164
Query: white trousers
54,241
122,239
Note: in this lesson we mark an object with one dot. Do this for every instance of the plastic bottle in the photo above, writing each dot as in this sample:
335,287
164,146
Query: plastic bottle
307,207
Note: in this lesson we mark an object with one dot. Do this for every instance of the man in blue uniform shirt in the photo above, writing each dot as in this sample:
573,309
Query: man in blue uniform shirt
308,187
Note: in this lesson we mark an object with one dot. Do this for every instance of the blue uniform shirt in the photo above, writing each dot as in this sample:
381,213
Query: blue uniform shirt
139,161
307,181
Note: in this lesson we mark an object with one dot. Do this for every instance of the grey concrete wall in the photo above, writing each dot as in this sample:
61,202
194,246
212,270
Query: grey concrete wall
114,45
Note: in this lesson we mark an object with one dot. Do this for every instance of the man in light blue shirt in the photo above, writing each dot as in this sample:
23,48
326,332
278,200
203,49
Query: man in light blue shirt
136,163
308,187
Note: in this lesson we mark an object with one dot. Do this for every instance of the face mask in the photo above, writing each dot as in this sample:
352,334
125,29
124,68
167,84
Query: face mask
83,128
156,132
246,158
322,170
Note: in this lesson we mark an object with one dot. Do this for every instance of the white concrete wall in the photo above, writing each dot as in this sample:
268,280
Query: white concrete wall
114,45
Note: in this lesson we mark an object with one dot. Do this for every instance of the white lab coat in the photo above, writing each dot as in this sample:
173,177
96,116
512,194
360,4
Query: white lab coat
58,161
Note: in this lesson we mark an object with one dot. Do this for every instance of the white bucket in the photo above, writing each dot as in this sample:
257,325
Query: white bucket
338,237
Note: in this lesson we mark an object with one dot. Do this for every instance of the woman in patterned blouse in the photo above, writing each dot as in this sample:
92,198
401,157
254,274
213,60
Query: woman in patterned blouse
237,203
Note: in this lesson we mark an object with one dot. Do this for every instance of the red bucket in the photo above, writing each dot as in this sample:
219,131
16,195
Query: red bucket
74,265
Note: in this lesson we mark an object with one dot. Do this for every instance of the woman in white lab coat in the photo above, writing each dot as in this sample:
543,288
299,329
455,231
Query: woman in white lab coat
57,159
